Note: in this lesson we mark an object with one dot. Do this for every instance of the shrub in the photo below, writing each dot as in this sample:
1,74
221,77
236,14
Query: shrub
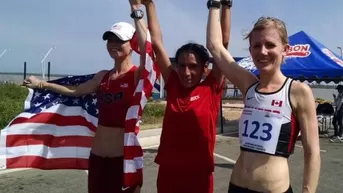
12,99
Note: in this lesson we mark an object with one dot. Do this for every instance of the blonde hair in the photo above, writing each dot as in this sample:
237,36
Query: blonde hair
270,22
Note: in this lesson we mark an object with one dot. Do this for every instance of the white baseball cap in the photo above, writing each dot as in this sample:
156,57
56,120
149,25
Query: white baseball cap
122,30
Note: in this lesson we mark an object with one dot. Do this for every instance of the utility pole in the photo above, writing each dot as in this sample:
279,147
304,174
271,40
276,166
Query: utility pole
43,61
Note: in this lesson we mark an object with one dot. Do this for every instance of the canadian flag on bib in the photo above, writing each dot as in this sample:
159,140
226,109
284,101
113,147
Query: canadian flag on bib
276,103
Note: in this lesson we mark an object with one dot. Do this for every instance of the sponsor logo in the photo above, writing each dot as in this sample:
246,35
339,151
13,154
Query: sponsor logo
124,85
194,98
299,50
124,188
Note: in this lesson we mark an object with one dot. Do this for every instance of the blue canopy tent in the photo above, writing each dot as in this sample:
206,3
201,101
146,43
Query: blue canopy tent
307,60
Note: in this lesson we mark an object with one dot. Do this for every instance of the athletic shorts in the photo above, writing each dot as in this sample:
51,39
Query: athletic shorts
105,175
236,189
184,181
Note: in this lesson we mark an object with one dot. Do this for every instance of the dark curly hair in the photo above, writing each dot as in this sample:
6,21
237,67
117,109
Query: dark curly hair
200,51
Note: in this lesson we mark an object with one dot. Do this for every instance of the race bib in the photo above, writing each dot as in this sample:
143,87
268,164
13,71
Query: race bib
259,130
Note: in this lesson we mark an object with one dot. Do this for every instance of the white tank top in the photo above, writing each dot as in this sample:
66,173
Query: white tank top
267,124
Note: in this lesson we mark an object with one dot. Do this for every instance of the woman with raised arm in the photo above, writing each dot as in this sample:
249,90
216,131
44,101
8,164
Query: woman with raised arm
276,108
185,154
106,158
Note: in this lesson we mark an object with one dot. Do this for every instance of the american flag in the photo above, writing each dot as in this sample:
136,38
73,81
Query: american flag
55,131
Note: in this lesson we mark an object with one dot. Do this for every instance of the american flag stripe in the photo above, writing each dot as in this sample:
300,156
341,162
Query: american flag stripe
16,155
48,129
48,152
63,136
55,119
48,164
49,140
60,141
51,132
133,158
61,109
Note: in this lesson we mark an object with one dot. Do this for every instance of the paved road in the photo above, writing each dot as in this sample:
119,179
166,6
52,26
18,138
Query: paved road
69,181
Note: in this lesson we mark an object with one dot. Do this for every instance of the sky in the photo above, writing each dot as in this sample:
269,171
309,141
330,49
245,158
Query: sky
75,27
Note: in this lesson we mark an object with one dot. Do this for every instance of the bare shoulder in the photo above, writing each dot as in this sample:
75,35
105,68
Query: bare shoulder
300,88
99,75
301,94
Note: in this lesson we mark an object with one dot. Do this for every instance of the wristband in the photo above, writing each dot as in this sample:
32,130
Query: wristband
137,14
226,2
213,4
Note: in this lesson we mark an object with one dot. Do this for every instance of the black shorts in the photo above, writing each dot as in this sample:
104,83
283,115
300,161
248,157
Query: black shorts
105,175
236,189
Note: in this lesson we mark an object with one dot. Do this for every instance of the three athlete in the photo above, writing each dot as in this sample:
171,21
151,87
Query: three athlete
276,109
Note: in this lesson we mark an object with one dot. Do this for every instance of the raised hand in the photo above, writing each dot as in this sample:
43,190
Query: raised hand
135,2
145,2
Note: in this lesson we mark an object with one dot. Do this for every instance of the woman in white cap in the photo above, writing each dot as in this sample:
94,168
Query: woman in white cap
276,109
106,158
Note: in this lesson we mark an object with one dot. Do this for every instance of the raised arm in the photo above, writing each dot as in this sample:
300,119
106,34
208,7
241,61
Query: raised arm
225,21
141,36
88,87
305,110
226,30
223,59
162,57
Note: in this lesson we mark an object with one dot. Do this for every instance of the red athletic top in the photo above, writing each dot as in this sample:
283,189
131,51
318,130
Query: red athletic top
189,125
114,98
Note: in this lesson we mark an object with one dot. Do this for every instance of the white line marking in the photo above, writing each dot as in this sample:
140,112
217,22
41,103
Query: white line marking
225,158
228,133
6,171
296,145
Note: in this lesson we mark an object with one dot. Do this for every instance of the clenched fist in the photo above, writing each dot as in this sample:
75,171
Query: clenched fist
32,82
